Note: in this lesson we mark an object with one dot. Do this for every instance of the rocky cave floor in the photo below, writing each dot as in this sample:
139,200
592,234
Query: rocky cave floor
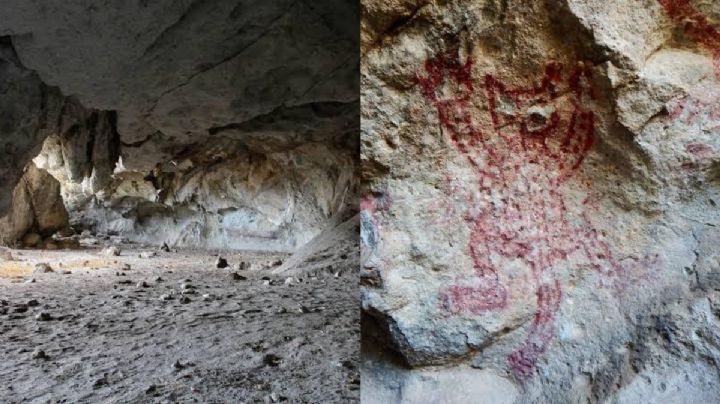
174,328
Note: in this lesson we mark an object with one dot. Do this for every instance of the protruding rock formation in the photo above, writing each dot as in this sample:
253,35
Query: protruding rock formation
37,210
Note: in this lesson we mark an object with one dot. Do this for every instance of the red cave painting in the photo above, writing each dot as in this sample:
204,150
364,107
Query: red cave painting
696,26
537,140
702,109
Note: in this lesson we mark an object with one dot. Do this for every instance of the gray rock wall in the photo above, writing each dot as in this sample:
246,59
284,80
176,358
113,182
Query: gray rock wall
541,180
224,124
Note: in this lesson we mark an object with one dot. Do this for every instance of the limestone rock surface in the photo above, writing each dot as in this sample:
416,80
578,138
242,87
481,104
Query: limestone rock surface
37,207
224,124
541,188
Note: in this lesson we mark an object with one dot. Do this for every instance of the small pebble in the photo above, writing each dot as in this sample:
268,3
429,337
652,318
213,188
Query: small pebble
42,268
39,354
43,316
221,263
111,251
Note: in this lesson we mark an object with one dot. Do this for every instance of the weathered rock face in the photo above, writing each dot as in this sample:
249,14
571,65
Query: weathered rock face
37,208
542,188
229,124
224,196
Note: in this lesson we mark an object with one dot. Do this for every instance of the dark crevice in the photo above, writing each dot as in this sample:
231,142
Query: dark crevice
165,32
210,66
308,112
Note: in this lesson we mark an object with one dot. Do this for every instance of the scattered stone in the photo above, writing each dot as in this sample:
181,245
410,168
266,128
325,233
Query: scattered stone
6,255
33,303
42,268
147,254
142,284
126,267
277,263
186,286
151,389
165,297
43,316
208,297
31,280
242,266
237,277
101,382
289,281
272,360
65,232
159,279
39,354
66,272
178,366
165,248
124,282
111,251
20,308
32,240
185,300
221,263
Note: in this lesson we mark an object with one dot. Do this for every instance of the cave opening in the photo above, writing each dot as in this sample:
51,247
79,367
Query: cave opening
194,206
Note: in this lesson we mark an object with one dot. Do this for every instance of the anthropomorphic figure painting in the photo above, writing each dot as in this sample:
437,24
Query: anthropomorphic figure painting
537,139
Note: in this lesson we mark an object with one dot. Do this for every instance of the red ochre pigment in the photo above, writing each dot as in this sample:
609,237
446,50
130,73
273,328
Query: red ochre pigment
536,143
696,26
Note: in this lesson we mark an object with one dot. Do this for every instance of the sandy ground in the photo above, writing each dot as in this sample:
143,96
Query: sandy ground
108,339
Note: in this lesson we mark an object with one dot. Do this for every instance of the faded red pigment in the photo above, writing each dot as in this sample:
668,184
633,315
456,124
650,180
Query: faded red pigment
696,26
536,144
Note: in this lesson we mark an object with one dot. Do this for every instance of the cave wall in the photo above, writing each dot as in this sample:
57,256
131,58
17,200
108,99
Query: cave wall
225,197
179,114
540,190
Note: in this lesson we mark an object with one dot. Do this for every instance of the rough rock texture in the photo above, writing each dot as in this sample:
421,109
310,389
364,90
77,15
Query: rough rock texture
231,341
541,199
223,124
225,196
335,244
36,207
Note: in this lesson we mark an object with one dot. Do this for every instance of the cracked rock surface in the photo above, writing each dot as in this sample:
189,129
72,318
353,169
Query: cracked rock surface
541,183
204,124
